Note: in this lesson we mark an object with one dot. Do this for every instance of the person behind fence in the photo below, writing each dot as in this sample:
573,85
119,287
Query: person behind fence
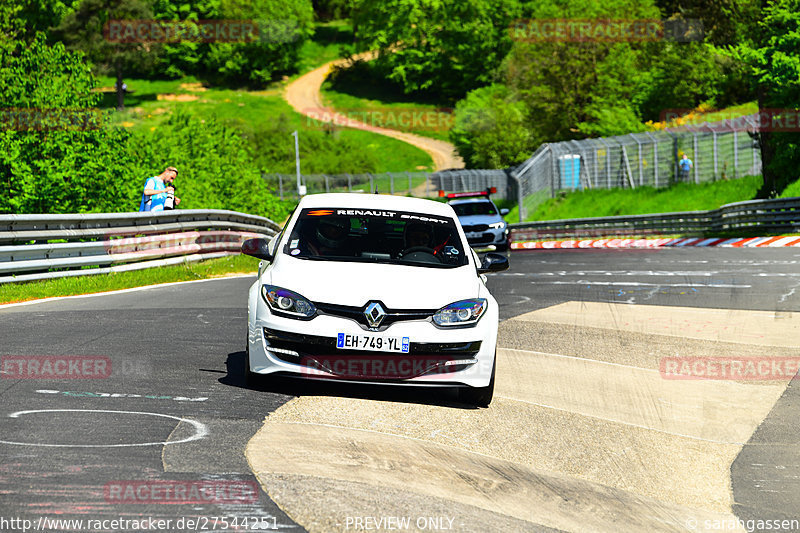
686,165
157,189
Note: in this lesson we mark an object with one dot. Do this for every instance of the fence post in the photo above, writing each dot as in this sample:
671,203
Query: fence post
409,182
735,154
608,163
349,183
520,209
716,169
639,151
675,174
280,186
655,157
696,159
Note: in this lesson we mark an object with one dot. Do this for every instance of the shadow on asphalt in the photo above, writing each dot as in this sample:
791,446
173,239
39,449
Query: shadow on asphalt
442,397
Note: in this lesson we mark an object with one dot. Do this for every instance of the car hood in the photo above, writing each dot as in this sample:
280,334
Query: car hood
355,284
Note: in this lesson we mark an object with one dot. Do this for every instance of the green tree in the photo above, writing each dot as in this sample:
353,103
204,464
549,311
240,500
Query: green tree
447,46
216,170
283,26
490,129
56,153
83,29
775,69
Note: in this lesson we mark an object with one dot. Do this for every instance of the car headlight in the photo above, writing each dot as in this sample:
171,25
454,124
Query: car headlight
497,225
287,303
462,313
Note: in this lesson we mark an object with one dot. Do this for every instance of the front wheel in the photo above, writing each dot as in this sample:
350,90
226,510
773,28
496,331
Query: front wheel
478,396
251,379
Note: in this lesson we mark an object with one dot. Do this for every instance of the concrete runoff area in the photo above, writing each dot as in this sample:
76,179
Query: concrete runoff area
585,432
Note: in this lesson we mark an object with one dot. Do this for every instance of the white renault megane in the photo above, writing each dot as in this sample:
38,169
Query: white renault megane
373,288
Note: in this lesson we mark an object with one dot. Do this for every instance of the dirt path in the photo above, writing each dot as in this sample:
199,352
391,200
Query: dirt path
304,96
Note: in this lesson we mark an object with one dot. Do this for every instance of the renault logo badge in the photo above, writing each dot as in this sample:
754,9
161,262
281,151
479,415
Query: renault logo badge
374,313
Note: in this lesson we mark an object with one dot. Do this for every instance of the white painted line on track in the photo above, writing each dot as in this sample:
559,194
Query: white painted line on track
122,291
200,429
643,284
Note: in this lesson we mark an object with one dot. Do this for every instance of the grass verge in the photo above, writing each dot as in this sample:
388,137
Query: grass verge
644,200
257,114
34,290
361,94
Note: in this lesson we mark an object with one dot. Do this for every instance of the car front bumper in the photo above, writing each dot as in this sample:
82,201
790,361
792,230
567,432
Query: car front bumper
436,356
497,237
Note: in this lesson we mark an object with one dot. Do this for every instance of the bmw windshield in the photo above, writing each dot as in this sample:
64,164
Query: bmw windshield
376,236
474,208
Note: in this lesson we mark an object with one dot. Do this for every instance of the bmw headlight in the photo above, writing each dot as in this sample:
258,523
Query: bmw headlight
462,313
287,303
497,225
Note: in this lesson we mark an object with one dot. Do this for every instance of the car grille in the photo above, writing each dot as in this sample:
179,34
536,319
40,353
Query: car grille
317,345
475,227
357,314
484,238
319,354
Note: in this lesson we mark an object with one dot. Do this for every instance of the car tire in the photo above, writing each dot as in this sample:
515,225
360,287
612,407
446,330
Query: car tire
251,379
478,396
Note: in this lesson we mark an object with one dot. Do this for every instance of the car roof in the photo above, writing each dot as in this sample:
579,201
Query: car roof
470,200
376,201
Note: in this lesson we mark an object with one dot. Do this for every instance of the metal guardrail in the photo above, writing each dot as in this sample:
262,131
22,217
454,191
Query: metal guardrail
766,216
34,247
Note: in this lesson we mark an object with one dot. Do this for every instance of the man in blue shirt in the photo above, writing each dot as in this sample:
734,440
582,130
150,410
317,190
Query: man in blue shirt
156,190
685,165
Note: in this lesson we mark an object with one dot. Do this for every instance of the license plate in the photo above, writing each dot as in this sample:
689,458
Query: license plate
375,343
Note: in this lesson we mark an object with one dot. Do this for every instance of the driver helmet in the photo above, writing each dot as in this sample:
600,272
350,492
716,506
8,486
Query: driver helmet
418,234
332,231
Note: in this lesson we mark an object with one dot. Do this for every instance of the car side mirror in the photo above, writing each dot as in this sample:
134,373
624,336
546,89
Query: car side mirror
492,262
504,212
257,248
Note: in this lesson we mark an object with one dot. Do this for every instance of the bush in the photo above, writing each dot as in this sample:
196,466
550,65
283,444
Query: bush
490,129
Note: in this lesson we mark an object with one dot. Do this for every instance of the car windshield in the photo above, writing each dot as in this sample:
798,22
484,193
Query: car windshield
474,208
376,236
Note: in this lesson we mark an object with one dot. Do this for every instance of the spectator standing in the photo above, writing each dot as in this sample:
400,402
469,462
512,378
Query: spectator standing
685,165
156,190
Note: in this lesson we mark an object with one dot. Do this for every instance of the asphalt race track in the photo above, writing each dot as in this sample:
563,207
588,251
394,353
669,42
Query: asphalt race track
585,432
